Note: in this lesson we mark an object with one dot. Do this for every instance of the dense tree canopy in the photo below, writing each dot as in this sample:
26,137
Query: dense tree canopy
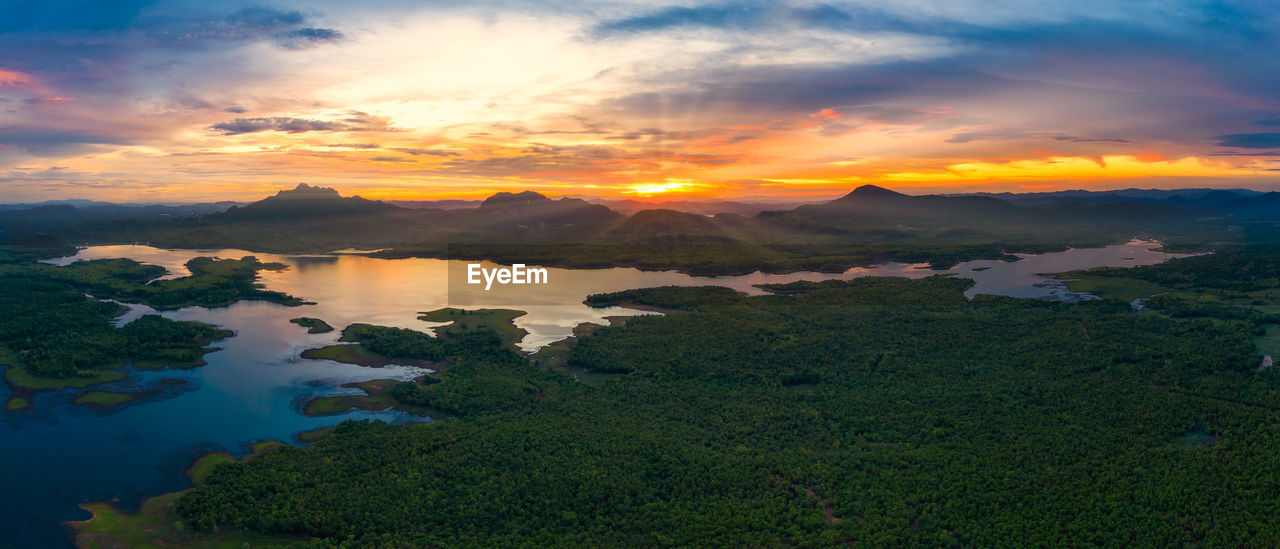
881,411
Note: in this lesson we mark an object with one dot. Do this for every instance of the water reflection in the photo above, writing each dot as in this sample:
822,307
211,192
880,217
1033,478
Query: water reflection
352,288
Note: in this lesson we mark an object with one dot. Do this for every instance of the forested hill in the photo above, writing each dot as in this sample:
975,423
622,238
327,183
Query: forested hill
306,200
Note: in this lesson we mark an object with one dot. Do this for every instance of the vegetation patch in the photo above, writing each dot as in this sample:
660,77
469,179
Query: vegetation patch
259,448
105,399
17,404
308,437
378,396
356,353
500,321
555,356
156,525
1198,436
203,466
1268,342
313,325
1124,289
20,378
56,337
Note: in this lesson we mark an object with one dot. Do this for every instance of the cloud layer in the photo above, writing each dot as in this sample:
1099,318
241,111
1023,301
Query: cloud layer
176,99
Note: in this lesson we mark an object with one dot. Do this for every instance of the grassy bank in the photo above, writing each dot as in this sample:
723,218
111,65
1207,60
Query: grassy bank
105,399
156,525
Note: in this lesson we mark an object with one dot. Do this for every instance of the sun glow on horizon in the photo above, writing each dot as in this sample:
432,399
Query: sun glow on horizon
669,187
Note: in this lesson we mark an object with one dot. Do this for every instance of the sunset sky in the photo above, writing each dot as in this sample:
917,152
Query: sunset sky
179,101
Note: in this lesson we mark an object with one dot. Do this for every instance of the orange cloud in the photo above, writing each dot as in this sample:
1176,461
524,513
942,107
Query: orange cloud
1057,168
15,79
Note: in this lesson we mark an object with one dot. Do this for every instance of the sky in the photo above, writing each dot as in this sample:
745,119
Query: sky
185,101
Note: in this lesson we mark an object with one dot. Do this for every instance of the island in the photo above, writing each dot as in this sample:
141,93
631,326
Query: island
56,330
104,400
313,325
499,321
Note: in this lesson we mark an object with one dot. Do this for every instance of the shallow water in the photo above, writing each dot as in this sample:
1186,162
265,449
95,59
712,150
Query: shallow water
60,454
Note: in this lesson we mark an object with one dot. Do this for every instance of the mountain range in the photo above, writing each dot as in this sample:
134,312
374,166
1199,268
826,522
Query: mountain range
870,220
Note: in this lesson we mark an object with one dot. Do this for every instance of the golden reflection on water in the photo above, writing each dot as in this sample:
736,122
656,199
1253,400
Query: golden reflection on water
352,288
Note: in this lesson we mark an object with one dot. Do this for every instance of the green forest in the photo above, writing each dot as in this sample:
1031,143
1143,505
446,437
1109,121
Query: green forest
873,412
55,324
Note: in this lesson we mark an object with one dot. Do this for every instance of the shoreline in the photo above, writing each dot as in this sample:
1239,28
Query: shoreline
151,524
393,253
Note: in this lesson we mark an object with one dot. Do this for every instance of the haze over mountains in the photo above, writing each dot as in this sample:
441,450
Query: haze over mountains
1176,197
875,221
628,206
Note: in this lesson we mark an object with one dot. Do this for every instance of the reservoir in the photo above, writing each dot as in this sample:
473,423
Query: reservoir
59,455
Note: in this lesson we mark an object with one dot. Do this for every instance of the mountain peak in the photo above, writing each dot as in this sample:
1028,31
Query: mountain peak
505,198
873,191
309,200
304,190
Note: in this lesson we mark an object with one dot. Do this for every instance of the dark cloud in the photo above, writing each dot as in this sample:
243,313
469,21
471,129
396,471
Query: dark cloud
124,27
353,145
236,110
1265,140
1269,121
1077,139
721,16
968,137
390,159
308,37
798,90
357,122
1245,153
286,29
277,123
51,142
756,16
262,18
1170,76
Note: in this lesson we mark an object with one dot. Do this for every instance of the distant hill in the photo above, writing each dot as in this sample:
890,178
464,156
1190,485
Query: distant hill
701,207
134,208
652,224
870,205
308,200
435,204
530,209
63,215
1262,206
1173,197
867,224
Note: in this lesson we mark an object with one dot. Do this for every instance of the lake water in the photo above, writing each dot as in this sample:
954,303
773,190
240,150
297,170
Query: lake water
59,454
